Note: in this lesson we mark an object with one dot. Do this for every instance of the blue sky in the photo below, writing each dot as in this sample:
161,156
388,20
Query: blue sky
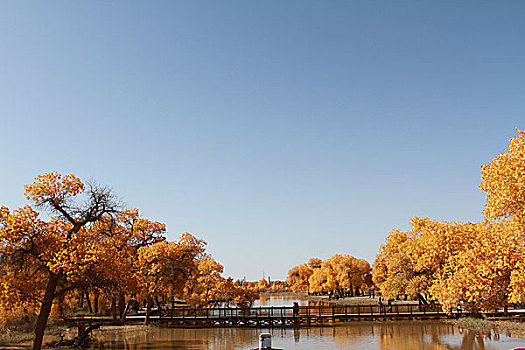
275,130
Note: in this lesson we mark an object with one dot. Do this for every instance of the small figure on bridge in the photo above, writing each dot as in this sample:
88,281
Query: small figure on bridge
295,309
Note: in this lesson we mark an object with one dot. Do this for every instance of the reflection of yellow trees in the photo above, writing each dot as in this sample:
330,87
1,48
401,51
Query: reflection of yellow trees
169,338
426,335
481,265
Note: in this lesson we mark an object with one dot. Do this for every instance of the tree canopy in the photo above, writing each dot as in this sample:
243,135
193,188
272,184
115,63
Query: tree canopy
478,265
89,242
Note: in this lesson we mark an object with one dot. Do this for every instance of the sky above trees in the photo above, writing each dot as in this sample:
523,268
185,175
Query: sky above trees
275,131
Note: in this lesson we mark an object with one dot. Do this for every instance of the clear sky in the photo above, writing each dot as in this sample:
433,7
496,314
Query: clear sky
275,130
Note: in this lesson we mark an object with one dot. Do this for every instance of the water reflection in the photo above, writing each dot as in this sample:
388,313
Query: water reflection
386,335
284,300
398,335
278,300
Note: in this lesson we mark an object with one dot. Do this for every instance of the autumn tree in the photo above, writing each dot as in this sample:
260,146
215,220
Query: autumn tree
89,243
44,259
237,294
298,277
315,263
503,181
164,267
393,271
489,271
480,265
480,276
120,237
341,273
204,286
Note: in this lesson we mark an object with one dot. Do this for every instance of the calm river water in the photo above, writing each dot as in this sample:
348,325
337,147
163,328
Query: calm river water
402,335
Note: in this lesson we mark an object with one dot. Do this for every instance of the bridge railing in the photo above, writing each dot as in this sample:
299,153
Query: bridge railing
301,311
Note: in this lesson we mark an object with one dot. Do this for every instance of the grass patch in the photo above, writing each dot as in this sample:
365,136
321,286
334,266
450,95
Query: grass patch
513,328
18,331
476,324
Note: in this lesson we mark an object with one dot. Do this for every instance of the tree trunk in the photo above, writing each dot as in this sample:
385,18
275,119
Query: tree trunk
113,308
148,310
121,305
61,306
123,316
95,302
88,302
45,310
81,301
159,306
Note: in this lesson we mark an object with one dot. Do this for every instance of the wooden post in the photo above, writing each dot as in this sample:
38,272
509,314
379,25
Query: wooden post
308,314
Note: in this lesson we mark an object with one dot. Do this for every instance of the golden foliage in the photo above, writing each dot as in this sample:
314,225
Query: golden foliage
480,265
340,272
91,243
299,276
503,181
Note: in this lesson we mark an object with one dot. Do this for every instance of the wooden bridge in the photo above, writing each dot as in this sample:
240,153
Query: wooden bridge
307,315
290,316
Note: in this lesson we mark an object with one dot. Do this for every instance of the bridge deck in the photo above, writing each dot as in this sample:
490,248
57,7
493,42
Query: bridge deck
288,316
